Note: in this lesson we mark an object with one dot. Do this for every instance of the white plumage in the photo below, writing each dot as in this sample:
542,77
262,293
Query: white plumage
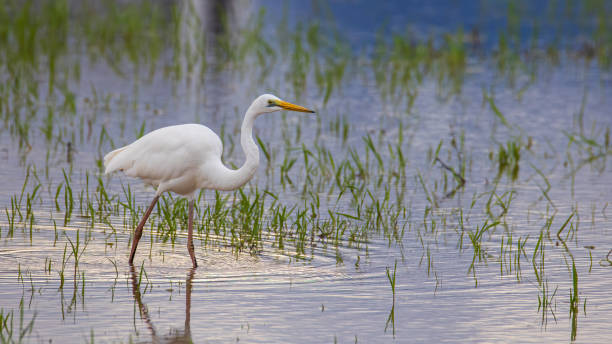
180,158
186,158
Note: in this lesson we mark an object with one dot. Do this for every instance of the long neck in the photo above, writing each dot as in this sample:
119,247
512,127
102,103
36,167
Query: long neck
237,178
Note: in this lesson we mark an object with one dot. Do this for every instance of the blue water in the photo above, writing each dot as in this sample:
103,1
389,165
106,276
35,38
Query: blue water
333,293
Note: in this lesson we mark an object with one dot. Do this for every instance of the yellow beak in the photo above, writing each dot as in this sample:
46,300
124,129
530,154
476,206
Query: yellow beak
292,107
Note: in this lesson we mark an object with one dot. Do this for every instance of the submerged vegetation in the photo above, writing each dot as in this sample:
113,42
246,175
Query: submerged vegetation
492,189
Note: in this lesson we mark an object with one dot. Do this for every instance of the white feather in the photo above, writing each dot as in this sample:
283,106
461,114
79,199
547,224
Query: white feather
172,158
185,158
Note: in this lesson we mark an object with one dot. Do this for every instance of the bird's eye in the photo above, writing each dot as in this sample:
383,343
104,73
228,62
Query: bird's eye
271,103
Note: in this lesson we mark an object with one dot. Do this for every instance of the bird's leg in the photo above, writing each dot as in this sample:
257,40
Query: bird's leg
190,235
138,231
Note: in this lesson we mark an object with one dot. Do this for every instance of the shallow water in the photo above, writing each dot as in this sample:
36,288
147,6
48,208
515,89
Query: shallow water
332,290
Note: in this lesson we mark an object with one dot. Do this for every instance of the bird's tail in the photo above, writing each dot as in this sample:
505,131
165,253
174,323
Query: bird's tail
110,163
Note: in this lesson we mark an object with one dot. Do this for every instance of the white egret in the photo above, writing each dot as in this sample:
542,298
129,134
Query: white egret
186,158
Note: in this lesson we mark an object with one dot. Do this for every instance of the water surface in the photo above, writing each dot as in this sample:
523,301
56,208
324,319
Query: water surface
325,274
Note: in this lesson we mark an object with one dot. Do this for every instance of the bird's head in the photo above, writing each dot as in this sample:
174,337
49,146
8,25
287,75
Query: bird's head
270,103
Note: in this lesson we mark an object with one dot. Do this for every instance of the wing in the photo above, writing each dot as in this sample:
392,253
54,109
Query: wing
167,154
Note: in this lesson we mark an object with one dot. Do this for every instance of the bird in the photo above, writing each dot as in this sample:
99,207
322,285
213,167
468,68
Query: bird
186,158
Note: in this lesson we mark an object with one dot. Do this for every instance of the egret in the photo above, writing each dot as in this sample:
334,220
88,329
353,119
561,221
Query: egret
186,158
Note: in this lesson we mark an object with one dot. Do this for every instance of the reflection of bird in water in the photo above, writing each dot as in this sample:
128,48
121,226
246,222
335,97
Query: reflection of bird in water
186,158
175,336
